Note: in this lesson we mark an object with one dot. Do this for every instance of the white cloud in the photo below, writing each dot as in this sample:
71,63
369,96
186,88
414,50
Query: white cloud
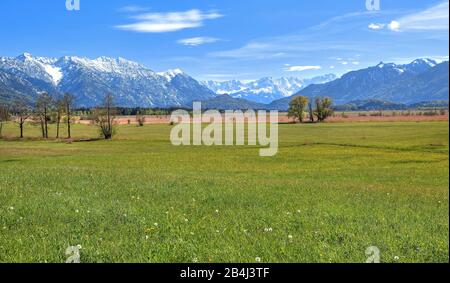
169,22
332,67
196,41
355,63
434,18
394,25
376,26
344,63
133,9
301,68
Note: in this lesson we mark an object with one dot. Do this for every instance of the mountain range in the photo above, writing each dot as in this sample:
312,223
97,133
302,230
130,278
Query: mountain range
265,90
421,80
132,84
135,85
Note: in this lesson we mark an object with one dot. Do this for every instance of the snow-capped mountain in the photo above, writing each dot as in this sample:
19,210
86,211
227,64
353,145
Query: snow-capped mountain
421,80
264,90
132,84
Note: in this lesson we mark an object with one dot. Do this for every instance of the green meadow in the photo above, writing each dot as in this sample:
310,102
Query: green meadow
333,190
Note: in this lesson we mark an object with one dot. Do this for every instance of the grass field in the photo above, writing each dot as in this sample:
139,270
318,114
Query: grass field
331,191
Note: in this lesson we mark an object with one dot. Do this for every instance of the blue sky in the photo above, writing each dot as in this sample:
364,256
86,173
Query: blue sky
231,39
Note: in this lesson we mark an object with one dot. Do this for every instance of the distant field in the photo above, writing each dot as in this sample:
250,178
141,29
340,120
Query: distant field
362,116
332,190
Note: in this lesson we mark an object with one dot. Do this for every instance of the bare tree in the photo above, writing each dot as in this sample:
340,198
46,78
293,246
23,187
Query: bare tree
59,106
140,119
22,111
68,101
104,117
43,109
4,116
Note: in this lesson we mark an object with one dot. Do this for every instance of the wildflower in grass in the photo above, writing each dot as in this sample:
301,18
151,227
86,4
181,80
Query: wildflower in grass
217,231
268,229
195,260
186,220
156,224
11,207
290,237
298,211
396,258
217,211
258,259
146,237
76,211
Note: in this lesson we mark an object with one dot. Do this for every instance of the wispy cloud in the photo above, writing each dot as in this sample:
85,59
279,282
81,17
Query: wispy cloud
133,9
169,22
301,68
196,41
376,26
434,18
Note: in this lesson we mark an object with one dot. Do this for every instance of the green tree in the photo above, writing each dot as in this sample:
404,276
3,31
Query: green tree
323,108
297,107
311,112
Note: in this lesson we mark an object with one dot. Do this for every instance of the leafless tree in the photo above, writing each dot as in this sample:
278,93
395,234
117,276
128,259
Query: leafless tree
43,109
4,116
140,119
104,117
59,107
22,112
68,101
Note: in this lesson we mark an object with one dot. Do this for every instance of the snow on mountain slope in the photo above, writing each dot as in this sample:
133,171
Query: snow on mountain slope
265,90
133,84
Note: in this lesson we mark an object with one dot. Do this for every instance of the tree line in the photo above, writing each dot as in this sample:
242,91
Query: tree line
57,110
319,112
